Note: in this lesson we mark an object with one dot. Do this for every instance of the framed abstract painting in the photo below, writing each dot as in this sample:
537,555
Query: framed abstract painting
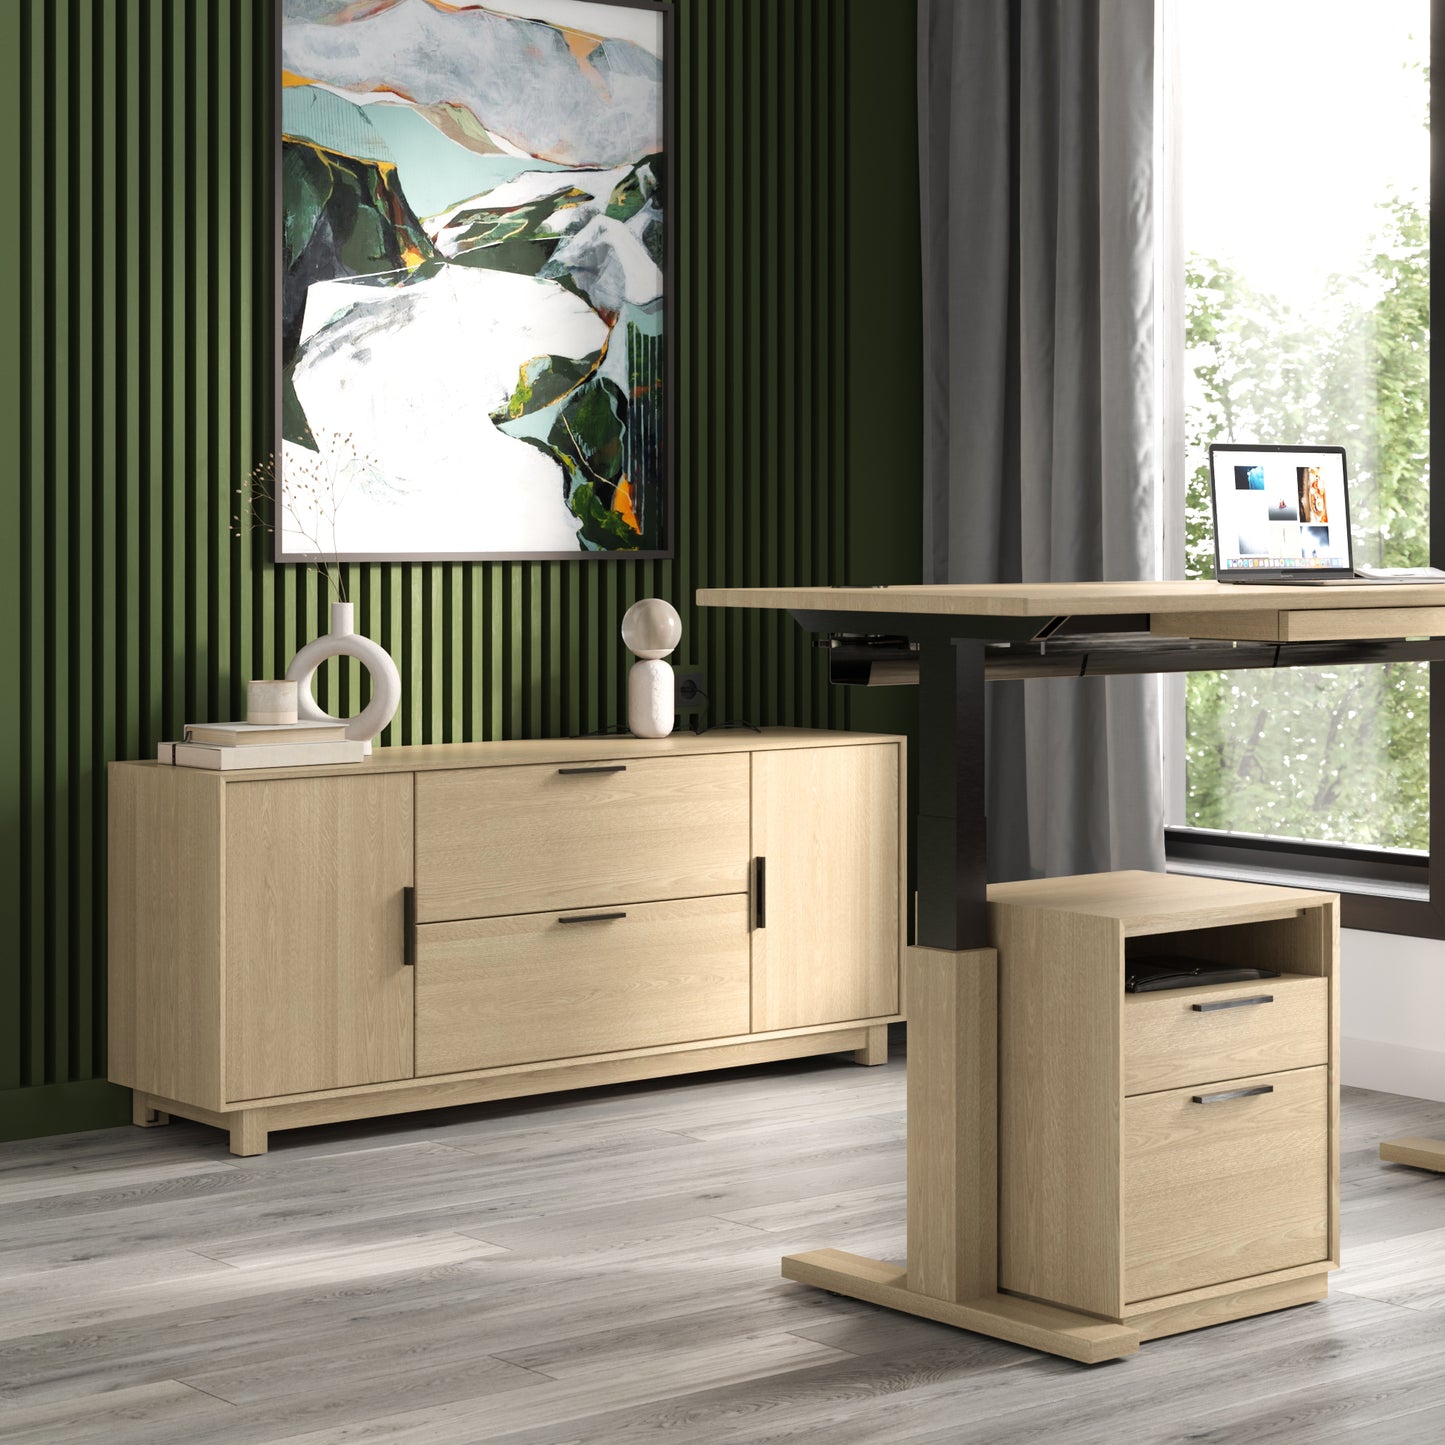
474,280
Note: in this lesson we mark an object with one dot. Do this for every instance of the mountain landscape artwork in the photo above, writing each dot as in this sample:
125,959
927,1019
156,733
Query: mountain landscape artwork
472,279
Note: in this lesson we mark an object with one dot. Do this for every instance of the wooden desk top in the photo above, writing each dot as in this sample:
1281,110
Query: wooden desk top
1056,599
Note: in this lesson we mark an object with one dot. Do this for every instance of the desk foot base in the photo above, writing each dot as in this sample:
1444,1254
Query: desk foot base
1421,1153
1001,1317
1050,1328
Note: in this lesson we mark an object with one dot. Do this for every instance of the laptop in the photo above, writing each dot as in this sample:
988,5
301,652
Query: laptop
1282,514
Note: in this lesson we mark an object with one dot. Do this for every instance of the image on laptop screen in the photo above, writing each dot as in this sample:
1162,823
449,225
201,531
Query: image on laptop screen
1280,509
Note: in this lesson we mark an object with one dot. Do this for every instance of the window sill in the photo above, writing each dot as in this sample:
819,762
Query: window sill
1301,878
1381,890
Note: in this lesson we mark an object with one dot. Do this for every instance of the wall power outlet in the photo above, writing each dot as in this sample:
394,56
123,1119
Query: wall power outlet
689,690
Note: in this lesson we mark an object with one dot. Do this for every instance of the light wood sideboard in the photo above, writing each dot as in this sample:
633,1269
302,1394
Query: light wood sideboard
452,924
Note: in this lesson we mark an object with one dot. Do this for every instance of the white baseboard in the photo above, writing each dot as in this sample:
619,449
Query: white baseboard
1392,1068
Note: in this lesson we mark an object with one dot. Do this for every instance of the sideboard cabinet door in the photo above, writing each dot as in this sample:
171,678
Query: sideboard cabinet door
826,823
317,992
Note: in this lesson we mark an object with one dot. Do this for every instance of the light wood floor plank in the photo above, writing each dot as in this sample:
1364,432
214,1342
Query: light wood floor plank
603,1266
116,1415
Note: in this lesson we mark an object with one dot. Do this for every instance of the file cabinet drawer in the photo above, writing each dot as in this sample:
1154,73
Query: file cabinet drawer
503,841
1225,1181
1223,1031
556,986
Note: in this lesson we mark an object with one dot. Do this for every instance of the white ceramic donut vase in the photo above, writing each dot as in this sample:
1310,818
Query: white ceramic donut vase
342,641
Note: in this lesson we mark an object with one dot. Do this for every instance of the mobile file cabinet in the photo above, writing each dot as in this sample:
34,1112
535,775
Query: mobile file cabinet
1090,1168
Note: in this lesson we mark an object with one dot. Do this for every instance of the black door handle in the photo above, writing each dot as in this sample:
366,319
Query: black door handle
592,917
574,772
408,927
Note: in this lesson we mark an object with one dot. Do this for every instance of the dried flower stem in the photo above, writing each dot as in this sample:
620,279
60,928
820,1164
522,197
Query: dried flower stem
309,501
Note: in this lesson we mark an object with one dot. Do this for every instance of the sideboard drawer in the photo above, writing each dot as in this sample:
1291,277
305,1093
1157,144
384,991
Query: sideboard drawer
1228,1187
1223,1031
556,986
518,840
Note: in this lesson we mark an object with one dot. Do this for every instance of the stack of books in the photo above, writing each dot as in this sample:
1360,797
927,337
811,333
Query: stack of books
230,745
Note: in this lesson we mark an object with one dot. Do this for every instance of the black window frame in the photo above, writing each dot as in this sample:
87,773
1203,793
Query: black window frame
1381,889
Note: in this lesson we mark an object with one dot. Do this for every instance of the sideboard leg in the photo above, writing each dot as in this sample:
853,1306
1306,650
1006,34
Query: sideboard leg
248,1133
875,1051
143,1115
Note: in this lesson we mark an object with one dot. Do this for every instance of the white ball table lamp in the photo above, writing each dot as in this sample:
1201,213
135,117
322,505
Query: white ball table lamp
651,629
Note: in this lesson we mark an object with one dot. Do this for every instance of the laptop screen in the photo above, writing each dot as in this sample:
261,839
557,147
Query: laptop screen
1280,509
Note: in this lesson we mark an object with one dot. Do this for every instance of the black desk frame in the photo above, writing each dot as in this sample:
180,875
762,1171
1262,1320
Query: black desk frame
956,656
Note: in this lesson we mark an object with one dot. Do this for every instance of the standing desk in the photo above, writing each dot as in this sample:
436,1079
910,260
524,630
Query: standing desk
951,640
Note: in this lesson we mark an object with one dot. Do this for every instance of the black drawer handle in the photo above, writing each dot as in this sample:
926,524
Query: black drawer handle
1209,1008
592,917
574,772
1233,1094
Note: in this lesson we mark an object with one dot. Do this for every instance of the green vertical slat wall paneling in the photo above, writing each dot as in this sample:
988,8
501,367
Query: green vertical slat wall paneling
105,554
808,518
13,424
145,396
786,373
151,272
838,341
769,287
58,609
754,391
30,540
229,688
696,320
683,186
831,330
831,565
814,537
253,602
534,722
205,599
177,625
739,419
87,376
129,224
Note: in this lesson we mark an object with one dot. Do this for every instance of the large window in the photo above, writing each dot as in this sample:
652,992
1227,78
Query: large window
1305,174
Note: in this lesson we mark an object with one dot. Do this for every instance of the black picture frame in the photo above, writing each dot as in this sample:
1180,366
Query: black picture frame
668,446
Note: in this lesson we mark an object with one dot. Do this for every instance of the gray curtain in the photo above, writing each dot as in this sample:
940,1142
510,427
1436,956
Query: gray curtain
1036,121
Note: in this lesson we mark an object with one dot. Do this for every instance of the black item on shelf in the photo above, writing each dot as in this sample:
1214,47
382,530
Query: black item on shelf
1153,971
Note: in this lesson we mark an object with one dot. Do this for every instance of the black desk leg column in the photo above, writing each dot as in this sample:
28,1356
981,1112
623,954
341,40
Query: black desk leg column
951,850
952,996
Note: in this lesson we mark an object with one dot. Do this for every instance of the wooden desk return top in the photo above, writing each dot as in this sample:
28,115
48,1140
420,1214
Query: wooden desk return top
1175,609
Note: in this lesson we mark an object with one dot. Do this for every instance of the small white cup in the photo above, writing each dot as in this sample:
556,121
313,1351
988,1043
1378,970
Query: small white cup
270,702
